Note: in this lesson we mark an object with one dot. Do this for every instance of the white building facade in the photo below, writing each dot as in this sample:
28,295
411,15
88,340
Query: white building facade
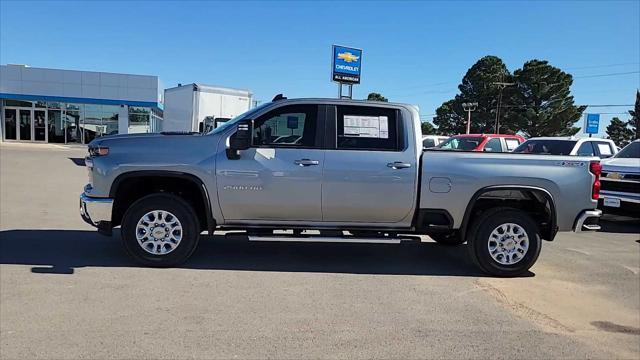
69,106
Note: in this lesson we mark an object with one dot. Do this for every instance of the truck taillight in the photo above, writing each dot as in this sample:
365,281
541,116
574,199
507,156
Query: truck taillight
595,168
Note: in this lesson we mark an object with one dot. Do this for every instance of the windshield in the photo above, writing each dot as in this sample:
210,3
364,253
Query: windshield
461,143
232,122
547,147
631,151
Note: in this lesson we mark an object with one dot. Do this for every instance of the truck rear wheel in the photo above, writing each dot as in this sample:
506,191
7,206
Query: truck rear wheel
160,230
504,242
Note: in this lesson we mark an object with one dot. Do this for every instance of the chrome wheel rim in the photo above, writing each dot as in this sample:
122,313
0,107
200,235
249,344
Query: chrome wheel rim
159,232
508,243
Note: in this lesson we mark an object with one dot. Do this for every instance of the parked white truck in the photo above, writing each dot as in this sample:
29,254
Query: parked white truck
195,107
347,168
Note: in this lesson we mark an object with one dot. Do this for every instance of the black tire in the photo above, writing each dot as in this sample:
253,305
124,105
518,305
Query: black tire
176,206
478,239
448,239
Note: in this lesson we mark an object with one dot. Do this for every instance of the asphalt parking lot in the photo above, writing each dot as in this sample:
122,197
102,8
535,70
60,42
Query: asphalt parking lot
67,292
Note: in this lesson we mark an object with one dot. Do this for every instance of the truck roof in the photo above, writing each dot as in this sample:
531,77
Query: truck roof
483,135
345,101
567,138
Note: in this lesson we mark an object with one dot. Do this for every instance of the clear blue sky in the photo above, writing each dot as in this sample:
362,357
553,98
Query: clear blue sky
414,52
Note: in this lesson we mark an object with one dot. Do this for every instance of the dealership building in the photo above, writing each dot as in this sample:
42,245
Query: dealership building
69,106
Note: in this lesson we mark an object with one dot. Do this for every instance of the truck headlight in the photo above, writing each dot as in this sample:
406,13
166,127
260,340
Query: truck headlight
96,151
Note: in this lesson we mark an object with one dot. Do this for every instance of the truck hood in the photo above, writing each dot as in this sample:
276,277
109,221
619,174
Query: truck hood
114,139
621,165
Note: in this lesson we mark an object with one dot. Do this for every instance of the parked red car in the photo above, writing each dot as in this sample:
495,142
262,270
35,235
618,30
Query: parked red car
482,142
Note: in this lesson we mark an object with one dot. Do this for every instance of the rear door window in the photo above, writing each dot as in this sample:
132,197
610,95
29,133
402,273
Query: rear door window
604,149
511,144
427,143
586,149
368,128
463,143
547,147
493,145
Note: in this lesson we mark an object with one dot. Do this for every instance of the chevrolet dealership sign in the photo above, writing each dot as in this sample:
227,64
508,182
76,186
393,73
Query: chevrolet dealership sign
346,64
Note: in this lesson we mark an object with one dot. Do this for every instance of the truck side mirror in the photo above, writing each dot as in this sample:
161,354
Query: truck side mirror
241,140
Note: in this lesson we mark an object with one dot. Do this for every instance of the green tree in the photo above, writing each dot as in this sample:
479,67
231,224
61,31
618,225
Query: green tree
619,132
478,85
427,128
542,101
376,97
634,122
449,118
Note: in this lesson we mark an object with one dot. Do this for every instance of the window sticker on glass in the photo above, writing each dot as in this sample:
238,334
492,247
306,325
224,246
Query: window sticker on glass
366,126
605,149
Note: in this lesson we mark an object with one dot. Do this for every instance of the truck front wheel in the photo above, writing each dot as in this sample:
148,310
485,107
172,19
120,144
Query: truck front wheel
504,242
160,230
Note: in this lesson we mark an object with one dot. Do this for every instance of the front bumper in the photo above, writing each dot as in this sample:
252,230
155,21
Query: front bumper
97,212
627,204
588,221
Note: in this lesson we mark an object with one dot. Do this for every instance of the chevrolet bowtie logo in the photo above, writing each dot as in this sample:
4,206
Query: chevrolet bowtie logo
348,57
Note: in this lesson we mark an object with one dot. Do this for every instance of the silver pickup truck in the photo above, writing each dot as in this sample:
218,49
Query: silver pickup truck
305,168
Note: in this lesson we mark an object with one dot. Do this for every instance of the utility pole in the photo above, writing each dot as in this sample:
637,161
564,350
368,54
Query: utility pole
502,85
469,107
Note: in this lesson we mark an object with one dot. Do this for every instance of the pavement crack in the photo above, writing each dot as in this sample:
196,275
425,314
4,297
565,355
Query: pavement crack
523,310
578,251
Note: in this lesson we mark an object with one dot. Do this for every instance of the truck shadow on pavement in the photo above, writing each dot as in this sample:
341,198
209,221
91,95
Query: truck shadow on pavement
63,251
620,225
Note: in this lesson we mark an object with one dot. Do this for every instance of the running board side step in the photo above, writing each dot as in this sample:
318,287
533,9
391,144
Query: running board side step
331,239
592,227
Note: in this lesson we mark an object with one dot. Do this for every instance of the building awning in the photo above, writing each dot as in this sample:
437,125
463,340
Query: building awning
80,100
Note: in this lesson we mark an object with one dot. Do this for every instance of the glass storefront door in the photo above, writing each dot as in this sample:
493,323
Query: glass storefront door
25,125
40,125
10,124
71,125
55,126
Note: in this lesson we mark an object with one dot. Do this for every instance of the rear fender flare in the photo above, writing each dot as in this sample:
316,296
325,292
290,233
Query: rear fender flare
467,214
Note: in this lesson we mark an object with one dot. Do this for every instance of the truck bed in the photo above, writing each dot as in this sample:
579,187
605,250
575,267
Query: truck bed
451,179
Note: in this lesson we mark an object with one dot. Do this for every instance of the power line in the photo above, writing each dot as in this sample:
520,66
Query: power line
608,105
610,74
601,66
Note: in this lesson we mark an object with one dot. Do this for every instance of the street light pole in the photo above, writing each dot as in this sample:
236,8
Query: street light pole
502,85
469,107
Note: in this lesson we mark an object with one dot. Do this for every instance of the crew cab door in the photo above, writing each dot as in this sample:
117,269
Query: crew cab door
279,177
370,170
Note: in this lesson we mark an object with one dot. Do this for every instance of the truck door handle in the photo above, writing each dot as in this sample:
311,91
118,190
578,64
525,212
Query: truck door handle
306,162
398,165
